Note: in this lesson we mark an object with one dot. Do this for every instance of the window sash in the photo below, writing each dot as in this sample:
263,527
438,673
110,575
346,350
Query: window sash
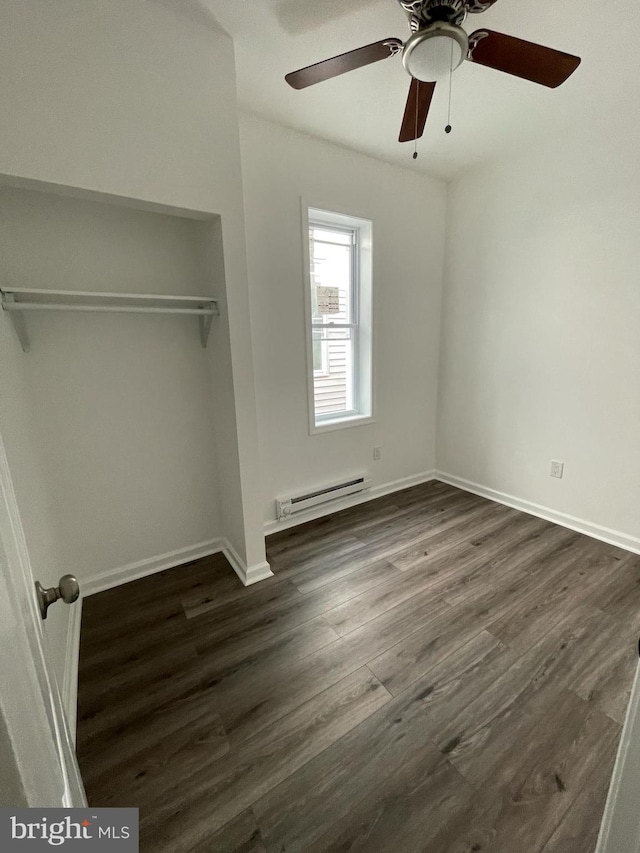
346,339
334,326
351,341
354,271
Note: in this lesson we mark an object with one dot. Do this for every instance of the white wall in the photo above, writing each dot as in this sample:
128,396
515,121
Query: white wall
131,99
408,213
541,347
121,406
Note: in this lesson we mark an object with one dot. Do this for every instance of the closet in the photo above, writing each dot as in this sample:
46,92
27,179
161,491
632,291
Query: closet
128,410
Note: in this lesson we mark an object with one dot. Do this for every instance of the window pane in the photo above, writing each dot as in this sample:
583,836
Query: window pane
331,255
344,238
333,384
331,276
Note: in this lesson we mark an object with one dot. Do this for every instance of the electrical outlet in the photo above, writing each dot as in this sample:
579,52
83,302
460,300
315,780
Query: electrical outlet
557,469
377,454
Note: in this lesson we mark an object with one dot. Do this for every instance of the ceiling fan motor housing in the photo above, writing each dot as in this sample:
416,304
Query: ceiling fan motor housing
434,51
478,6
425,12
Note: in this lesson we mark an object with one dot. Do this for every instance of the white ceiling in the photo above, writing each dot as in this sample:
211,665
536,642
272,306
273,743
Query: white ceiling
491,112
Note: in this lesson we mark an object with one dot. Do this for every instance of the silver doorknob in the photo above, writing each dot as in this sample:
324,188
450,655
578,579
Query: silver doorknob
68,590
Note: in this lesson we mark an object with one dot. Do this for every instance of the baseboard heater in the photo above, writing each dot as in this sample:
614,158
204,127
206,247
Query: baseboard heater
286,507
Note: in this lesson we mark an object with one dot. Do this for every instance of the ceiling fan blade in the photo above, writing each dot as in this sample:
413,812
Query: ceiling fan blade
417,110
345,62
521,58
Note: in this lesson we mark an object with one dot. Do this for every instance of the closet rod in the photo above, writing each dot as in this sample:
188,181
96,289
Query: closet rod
121,309
18,300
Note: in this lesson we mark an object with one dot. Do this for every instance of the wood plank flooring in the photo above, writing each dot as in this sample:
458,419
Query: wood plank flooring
425,672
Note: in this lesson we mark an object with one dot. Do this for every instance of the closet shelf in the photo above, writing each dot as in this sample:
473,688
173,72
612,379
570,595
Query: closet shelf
17,300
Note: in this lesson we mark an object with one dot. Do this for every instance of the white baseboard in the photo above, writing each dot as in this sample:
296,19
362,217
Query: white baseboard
344,503
596,531
247,574
142,568
133,571
71,657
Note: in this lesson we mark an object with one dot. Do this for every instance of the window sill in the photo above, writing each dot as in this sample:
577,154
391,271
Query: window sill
341,423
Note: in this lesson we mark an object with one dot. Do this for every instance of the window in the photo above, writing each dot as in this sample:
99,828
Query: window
339,320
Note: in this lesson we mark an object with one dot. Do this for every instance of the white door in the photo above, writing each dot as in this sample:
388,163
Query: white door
30,705
620,830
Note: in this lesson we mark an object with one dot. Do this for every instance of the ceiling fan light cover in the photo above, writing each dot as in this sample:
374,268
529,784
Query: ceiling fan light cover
431,53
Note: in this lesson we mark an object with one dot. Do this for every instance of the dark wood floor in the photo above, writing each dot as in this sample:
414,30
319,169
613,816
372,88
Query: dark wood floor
426,672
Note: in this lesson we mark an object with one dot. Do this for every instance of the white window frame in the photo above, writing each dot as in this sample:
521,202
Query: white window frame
362,327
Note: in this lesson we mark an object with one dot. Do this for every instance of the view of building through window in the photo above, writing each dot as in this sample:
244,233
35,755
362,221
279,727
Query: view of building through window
332,253
339,320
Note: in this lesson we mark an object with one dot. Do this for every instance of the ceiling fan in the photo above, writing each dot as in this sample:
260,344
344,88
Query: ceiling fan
437,46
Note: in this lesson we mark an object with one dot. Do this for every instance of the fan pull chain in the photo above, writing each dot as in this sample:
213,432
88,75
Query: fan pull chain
448,127
415,139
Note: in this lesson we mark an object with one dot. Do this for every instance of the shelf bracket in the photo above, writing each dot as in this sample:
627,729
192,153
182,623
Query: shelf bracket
8,300
205,321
